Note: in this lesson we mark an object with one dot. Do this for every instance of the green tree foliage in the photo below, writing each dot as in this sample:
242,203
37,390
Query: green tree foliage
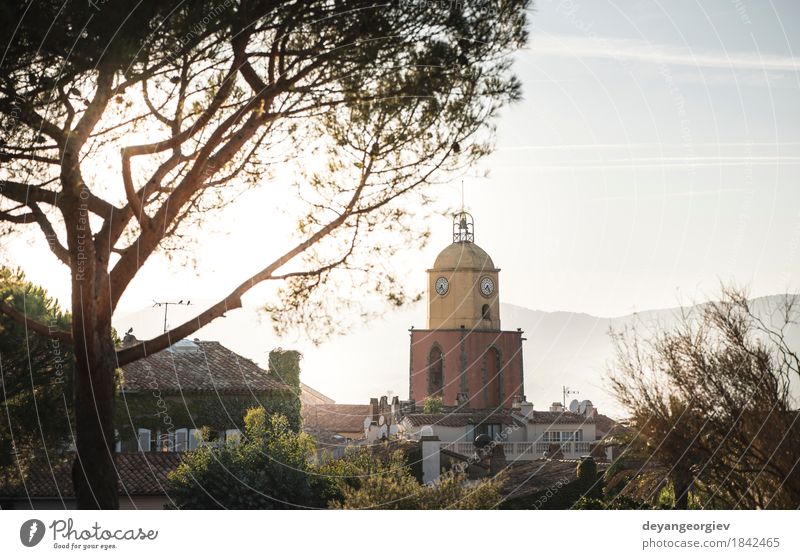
284,365
713,421
433,404
36,374
272,468
619,503
269,469
126,124
390,484
588,479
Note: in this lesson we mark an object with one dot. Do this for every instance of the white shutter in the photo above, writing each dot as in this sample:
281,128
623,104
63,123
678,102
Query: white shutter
144,440
194,439
181,440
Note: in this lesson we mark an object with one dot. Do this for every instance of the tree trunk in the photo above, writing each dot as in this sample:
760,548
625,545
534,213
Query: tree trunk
681,483
94,473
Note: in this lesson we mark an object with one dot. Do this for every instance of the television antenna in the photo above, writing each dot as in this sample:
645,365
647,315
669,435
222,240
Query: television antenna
565,391
166,305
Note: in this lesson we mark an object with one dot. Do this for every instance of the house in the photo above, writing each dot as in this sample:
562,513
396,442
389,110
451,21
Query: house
384,418
522,433
166,401
335,427
168,398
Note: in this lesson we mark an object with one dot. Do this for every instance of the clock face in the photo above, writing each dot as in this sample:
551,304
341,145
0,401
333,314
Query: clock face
442,286
487,286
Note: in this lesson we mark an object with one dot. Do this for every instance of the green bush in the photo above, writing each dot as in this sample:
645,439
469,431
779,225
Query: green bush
588,480
269,469
391,484
433,404
586,503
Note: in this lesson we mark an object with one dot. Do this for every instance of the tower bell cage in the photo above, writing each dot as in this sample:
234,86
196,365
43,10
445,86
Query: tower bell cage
463,228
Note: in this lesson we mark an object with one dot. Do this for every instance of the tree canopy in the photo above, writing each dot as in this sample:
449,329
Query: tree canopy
713,420
36,378
127,124
144,117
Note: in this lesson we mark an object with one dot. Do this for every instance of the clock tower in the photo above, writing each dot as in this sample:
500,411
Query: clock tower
463,356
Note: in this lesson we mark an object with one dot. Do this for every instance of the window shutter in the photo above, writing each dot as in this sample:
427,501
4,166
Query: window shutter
181,440
194,436
144,440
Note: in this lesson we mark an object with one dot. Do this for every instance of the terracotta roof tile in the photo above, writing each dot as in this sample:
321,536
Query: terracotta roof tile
458,419
208,366
335,418
140,473
558,417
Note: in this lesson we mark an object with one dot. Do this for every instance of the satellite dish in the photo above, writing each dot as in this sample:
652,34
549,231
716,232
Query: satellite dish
367,422
582,407
393,430
381,420
426,431
573,406
383,432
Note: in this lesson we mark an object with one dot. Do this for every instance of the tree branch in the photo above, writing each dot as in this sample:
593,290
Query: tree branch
52,239
35,326
234,298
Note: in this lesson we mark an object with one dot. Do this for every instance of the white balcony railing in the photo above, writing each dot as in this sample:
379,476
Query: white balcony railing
526,450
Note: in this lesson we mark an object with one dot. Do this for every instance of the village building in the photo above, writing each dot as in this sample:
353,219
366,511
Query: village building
474,369
193,393
171,400
335,427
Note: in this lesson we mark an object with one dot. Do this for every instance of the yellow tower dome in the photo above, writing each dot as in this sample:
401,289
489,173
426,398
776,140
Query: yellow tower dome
463,285
463,256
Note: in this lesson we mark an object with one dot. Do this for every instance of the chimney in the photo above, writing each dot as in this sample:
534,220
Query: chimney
557,407
129,339
526,409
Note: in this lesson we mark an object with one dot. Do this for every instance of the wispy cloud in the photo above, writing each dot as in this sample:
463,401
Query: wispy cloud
645,145
644,51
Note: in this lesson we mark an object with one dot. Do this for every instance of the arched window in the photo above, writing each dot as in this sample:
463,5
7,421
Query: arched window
486,312
435,371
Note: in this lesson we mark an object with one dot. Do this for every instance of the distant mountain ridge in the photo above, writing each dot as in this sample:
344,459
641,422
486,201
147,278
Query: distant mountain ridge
562,349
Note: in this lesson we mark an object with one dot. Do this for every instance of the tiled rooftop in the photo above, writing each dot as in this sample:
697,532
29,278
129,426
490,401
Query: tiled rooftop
140,474
199,366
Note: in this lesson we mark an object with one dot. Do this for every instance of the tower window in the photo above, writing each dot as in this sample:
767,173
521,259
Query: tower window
435,371
486,312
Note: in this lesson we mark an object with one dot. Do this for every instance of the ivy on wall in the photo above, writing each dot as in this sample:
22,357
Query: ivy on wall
160,411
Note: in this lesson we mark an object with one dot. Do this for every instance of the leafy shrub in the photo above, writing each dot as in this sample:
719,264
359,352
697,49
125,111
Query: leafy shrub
391,485
269,469
433,404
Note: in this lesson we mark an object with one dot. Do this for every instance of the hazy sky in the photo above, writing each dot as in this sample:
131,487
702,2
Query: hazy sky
655,153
